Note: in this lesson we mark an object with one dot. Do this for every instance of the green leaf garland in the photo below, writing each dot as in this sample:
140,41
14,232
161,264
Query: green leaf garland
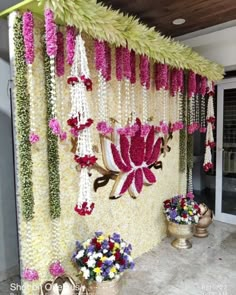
53,155
23,123
103,23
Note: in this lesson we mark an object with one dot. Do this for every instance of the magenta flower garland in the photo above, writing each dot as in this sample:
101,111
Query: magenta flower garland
119,72
70,44
60,65
202,92
192,84
108,62
161,76
28,33
51,31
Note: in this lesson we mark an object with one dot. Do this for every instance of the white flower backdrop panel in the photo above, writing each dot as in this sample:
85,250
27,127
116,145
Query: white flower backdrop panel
140,221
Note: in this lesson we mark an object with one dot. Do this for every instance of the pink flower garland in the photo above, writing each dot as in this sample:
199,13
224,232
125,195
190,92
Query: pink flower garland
100,56
174,82
180,79
107,73
70,44
30,274
60,67
103,128
133,67
119,73
203,86
28,33
126,63
51,33
145,71
161,76
191,84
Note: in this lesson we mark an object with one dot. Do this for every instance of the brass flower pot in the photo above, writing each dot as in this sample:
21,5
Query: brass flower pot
182,234
204,221
105,288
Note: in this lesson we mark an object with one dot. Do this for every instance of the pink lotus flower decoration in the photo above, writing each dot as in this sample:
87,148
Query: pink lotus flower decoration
131,159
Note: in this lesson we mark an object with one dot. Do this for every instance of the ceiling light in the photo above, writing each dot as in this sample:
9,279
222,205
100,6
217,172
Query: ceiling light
178,21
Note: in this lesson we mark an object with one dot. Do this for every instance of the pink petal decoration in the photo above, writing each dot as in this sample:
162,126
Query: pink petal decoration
174,82
126,63
33,138
100,56
149,175
161,77
50,31
124,149
137,150
191,84
63,136
107,74
30,274
144,71
56,269
55,126
28,33
139,180
133,67
149,143
119,73
70,44
198,84
117,159
127,183
203,87
60,66
155,153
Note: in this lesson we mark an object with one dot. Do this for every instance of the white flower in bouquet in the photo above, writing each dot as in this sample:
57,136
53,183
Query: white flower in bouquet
99,279
86,272
105,251
91,262
111,275
80,254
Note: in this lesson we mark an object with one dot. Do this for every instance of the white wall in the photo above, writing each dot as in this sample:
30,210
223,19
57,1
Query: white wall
8,228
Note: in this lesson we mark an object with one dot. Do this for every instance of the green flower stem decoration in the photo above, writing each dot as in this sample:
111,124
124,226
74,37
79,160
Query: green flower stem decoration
103,23
23,123
53,156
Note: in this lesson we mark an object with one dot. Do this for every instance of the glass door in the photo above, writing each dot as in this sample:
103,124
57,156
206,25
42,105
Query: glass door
226,152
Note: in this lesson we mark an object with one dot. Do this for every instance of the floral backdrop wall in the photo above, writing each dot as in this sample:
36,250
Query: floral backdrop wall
140,221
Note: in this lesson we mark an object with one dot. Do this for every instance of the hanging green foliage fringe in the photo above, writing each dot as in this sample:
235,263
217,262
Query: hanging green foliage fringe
23,123
53,156
103,23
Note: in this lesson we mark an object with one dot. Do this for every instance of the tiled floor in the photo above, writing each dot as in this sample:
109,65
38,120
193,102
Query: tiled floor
209,268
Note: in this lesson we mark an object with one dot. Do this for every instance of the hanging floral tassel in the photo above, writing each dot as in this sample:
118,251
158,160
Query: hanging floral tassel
210,144
119,76
133,81
203,88
192,127
81,122
127,77
70,44
162,85
60,70
103,66
145,82
28,33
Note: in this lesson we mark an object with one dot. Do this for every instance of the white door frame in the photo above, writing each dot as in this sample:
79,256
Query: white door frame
219,215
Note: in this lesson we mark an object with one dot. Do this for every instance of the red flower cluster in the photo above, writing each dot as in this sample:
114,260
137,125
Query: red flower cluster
208,166
211,144
85,209
85,161
72,80
211,120
73,122
87,82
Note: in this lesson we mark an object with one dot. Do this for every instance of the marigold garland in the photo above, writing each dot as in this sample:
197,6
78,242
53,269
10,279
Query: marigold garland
23,123
53,157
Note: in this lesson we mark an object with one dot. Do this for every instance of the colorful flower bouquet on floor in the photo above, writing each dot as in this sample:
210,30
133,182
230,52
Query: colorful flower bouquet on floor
103,258
182,209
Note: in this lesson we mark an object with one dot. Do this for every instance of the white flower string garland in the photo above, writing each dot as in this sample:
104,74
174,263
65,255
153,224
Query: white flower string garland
80,122
210,144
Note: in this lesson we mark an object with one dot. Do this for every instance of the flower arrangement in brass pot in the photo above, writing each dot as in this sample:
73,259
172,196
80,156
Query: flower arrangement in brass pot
103,258
182,209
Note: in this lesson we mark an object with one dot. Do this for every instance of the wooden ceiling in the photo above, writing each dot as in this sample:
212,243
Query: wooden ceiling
199,14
